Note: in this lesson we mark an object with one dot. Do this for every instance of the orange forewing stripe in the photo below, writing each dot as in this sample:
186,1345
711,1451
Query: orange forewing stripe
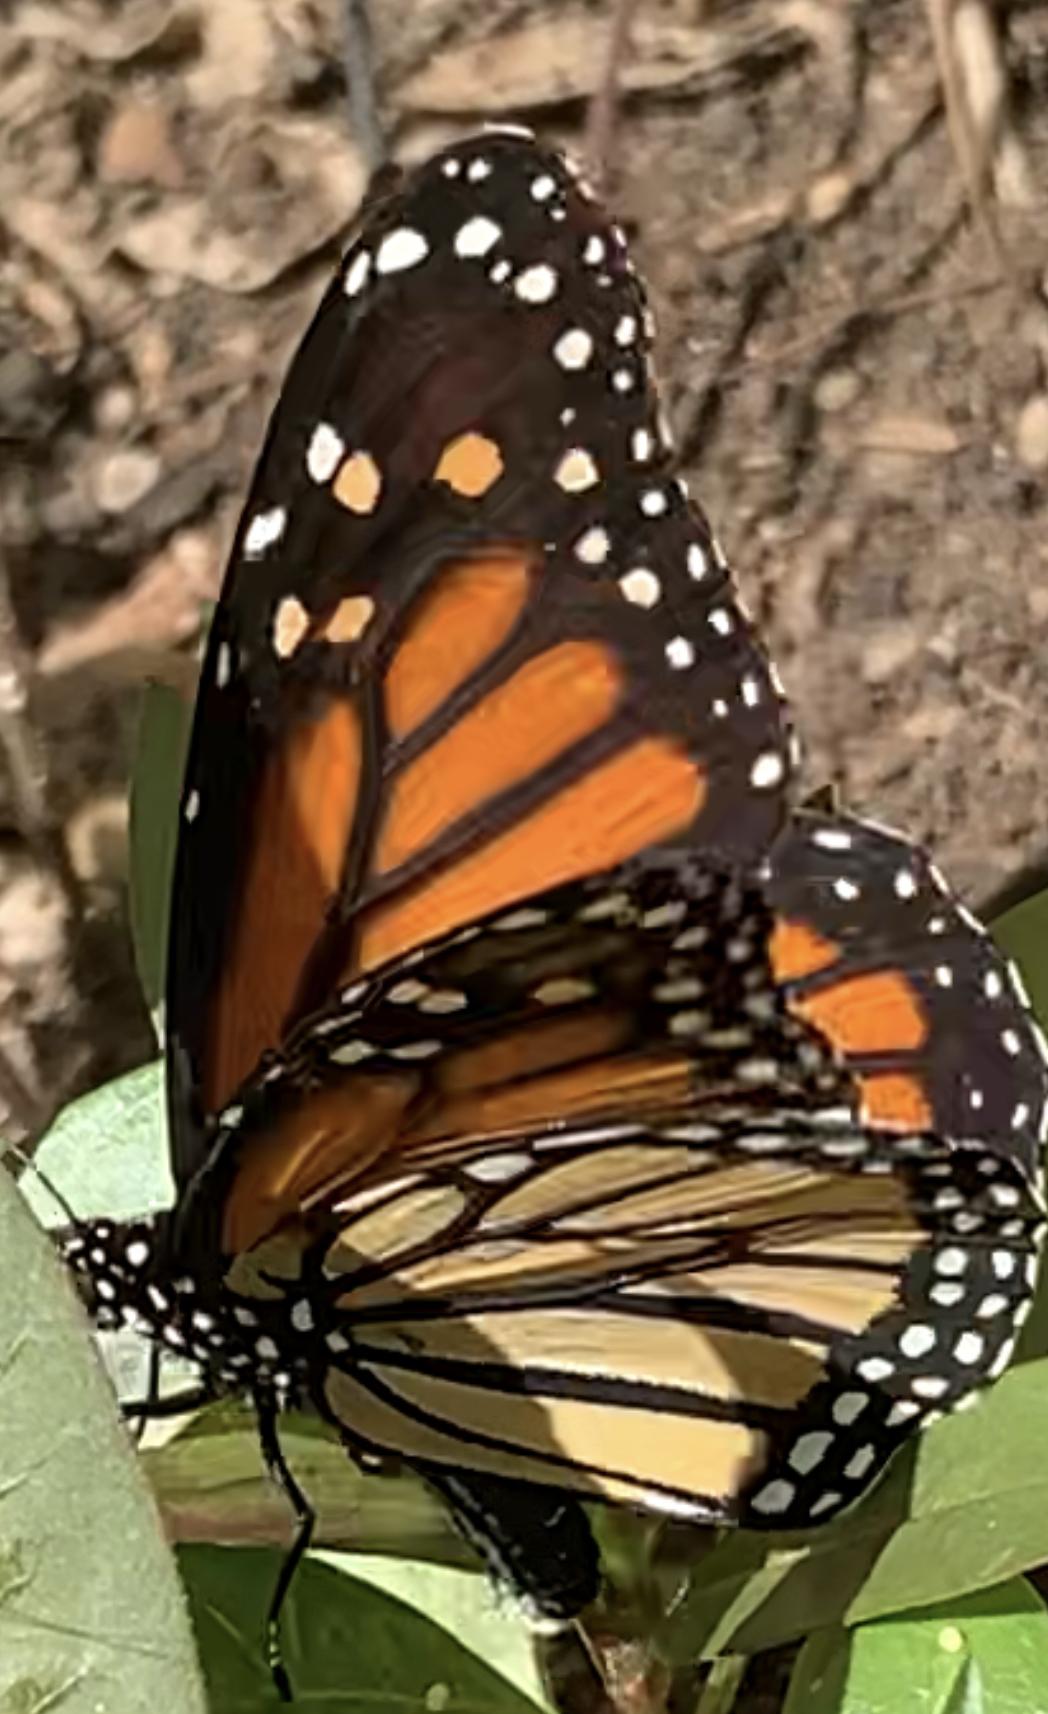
651,791
331,1136
452,631
895,1101
631,1086
552,702
795,951
301,821
879,1013
531,1050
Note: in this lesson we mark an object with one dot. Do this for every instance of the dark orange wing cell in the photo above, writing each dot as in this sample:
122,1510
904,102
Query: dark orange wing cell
474,640
877,956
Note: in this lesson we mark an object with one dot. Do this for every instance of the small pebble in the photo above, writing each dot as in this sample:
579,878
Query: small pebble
115,408
1031,433
136,147
888,649
837,389
828,195
124,478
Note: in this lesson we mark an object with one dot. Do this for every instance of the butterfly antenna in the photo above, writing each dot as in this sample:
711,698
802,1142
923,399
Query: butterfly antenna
600,121
136,1420
359,65
305,1523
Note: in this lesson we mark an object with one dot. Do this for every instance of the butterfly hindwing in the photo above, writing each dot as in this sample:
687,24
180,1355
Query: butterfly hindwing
875,952
564,1232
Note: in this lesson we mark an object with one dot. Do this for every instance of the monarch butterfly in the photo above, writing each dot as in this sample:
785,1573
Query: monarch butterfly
550,1108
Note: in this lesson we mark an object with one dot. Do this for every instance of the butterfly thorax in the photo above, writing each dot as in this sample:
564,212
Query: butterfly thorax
123,1271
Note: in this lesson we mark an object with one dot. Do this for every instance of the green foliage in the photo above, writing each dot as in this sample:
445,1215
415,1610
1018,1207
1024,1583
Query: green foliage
107,1153
1022,933
91,1613
163,735
986,1654
427,1640
211,1487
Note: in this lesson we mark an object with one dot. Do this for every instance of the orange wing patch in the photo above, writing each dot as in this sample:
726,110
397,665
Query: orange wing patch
358,485
470,465
553,701
304,809
453,631
649,792
895,1102
796,951
349,620
879,1013
330,1137
643,1083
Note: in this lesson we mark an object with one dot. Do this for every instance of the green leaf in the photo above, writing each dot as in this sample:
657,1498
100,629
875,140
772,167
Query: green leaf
965,1509
91,1612
349,1645
156,782
1022,935
987,1654
107,1152
211,1486
465,1604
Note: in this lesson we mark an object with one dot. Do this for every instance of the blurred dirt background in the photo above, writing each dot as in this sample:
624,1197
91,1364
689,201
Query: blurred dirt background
841,208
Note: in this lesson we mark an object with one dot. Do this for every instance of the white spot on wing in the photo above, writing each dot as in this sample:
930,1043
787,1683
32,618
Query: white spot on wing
767,771
537,284
264,530
593,546
573,349
324,453
357,274
476,237
576,471
641,587
403,248
776,1497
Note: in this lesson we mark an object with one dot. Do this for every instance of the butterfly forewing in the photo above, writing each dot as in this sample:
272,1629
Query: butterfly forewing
474,640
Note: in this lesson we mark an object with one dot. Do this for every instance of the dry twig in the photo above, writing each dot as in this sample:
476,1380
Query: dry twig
26,759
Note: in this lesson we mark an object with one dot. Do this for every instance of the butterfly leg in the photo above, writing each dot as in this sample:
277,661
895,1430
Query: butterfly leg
153,1408
137,1415
305,1521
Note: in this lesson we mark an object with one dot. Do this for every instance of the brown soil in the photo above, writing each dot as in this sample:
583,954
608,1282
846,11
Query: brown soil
853,339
